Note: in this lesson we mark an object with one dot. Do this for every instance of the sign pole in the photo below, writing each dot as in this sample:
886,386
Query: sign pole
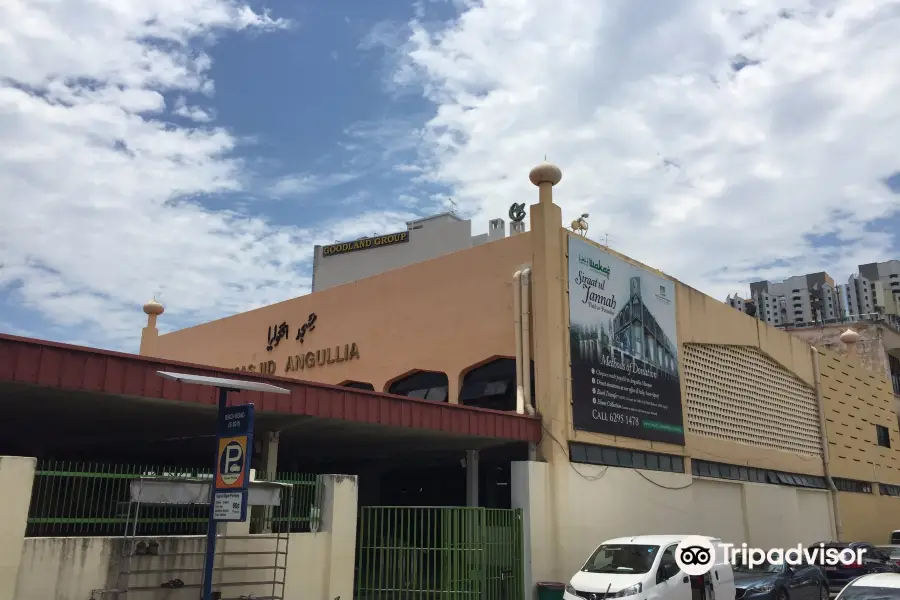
212,527
229,487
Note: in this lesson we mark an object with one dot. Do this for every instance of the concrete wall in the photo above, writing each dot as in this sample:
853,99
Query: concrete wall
602,503
871,351
16,479
869,517
318,566
69,568
857,400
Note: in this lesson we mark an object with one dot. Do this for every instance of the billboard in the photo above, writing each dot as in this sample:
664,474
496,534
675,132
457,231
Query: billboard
624,350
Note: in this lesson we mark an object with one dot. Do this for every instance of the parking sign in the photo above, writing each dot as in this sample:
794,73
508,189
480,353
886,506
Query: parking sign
235,444
232,466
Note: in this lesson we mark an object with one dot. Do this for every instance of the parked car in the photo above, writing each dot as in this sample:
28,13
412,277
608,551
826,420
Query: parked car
644,567
874,561
895,537
780,581
877,586
893,553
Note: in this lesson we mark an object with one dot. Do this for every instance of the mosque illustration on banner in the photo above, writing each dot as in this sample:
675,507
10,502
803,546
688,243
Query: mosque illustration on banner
633,335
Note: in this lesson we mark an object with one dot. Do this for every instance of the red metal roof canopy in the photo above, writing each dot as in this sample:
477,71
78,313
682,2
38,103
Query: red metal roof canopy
77,368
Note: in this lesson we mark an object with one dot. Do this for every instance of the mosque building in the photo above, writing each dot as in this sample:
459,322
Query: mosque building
658,404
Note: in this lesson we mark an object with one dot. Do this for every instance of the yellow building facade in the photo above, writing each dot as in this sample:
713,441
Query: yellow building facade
720,424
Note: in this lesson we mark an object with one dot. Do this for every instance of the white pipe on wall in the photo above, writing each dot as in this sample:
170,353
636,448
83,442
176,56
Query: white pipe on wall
526,340
517,325
838,525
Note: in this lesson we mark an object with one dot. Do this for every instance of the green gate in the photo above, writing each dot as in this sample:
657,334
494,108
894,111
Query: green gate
412,553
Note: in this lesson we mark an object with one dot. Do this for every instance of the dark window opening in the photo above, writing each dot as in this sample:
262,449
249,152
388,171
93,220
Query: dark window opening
894,365
591,454
493,385
889,490
359,385
851,485
704,468
883,436
424,385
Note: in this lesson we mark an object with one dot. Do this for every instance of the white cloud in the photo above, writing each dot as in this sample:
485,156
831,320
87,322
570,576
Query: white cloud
194,113
96,209
301,184
705,171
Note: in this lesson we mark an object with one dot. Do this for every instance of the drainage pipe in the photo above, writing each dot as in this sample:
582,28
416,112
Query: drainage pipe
838,526
526,340
517,325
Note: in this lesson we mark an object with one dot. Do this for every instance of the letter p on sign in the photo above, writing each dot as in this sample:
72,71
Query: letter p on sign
232,460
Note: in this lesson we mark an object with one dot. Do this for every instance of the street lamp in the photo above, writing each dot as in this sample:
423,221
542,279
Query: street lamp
232,463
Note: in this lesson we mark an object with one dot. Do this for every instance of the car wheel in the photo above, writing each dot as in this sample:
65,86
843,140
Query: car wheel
824,592
781,595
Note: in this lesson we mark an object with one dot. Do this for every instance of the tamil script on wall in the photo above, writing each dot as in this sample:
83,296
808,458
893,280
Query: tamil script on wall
624,351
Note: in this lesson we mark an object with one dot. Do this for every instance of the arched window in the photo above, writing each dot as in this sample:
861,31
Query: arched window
358,385
492,385
425,385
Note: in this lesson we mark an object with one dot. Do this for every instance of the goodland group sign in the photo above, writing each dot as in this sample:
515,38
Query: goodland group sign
366,243
625,377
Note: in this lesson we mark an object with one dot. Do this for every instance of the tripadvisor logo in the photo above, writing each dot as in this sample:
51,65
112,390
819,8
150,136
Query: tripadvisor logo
696,555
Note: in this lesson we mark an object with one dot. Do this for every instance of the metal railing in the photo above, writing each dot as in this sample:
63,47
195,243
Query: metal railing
72,498
439,552
304,513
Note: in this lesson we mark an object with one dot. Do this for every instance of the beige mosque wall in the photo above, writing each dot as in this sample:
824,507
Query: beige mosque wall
584,505
452,312
445,314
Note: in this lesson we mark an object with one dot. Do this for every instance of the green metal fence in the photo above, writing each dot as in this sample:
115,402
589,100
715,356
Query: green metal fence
407,553
300,515
72,498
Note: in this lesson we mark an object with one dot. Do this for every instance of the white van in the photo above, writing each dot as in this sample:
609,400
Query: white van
644,568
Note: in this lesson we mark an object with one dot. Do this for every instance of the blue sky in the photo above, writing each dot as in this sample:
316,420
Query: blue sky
316,98
198,149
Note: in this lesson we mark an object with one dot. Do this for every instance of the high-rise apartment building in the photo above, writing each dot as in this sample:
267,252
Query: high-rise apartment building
799,299
815,309
876,289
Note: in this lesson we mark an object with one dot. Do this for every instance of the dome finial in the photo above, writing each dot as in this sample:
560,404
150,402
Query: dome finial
850,336
154,308
545,173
